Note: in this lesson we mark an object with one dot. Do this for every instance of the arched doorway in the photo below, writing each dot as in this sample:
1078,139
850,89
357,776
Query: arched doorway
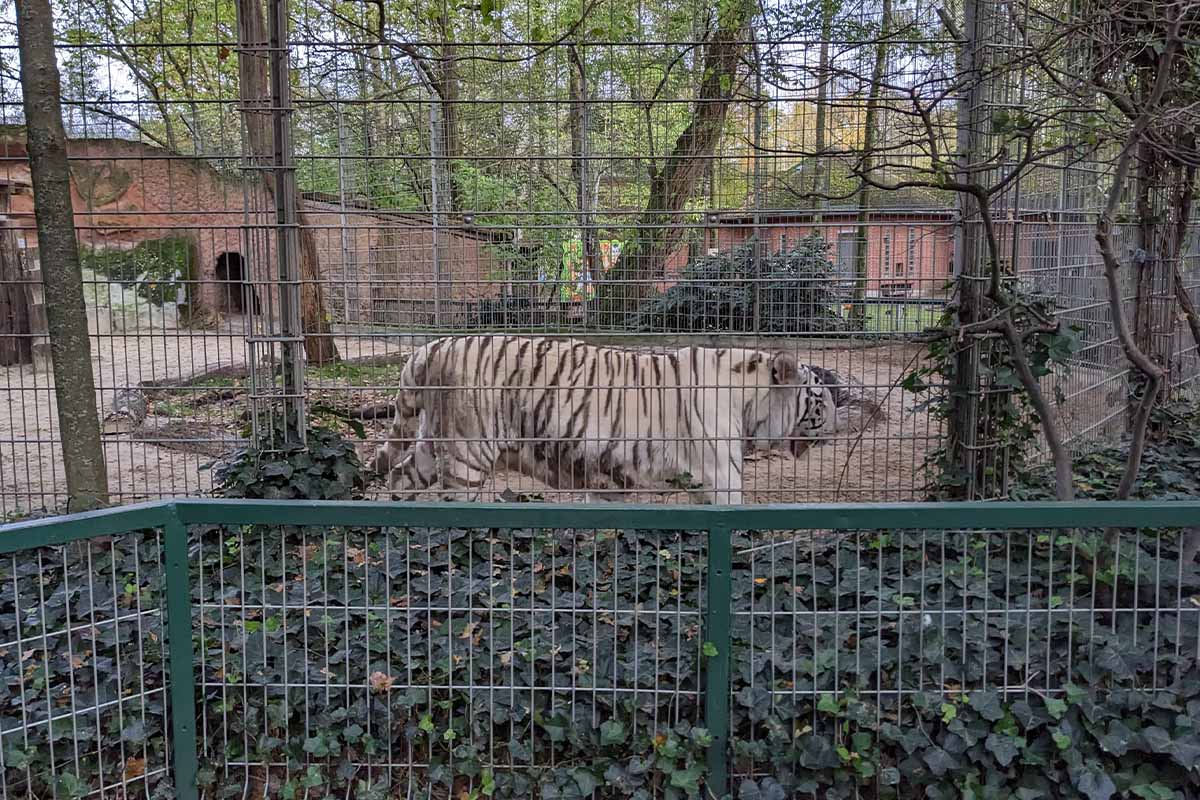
232,289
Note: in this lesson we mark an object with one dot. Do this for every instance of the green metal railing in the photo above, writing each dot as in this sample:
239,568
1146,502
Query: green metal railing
760,577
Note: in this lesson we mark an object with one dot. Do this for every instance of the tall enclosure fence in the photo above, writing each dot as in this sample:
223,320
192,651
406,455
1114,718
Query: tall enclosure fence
278,201
254,649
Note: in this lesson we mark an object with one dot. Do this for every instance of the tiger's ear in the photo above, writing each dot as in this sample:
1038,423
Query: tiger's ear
784,370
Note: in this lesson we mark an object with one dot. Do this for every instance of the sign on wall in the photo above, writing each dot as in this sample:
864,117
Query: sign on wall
576,282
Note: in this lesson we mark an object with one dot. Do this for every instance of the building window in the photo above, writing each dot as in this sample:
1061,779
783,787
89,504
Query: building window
887,255
912,251
846,254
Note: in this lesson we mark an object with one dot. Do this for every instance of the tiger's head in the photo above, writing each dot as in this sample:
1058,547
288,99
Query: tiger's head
800,406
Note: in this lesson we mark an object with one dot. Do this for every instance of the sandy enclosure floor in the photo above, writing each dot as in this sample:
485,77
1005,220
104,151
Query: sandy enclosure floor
31,471
884,463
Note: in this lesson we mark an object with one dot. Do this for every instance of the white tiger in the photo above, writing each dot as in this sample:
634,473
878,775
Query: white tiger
579,416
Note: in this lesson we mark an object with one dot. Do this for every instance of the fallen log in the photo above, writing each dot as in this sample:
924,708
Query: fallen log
185,436
127,412
384,410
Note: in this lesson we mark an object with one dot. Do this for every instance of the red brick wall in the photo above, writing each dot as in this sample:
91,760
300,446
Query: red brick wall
127,192
921,269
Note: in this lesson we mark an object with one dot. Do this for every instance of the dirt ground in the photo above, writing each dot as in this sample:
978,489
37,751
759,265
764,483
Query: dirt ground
203,421
140,467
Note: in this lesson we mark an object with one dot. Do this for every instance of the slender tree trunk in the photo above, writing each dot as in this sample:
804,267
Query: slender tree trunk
1183,220
447,87
643,260
1148,187
74,388
865,195
255,93
820,175
581,159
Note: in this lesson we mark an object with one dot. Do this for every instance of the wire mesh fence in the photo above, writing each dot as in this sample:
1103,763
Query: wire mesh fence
644,179
373,651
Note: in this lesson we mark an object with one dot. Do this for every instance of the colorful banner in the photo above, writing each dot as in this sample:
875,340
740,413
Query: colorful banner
576,283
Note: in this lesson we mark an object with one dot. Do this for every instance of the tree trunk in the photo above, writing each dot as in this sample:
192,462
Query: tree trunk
643,260
1148,186
820,175
255,94
1185,197
446,86
580,123
858,312
74,388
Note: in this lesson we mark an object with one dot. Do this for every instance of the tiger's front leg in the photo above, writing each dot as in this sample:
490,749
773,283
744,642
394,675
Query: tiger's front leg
721,474
416,472
447,466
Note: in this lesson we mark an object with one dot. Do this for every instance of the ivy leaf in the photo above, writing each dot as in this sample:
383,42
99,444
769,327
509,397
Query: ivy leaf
828,704
315,745
135,732
939,761
1061,740
818,753
1094,783
586,781
1004,748
988,705
687,779
1056,707
1116,740
1153,791
612,732
710,650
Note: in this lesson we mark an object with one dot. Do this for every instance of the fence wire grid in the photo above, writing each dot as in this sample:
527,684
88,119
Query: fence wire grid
639,178
536,660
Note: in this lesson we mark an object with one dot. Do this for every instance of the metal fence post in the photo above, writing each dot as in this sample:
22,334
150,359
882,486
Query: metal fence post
180,659
716,669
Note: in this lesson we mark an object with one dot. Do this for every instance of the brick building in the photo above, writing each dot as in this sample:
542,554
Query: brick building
376,266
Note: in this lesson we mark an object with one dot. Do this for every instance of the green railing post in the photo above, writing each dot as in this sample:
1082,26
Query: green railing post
716,668
180,659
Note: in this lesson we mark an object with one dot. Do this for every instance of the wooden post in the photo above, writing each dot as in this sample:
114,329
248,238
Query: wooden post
35,297
15,341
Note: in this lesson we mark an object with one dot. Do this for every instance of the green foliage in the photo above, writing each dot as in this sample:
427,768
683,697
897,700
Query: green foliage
924,710
874,664
1170,464
325,467
794,291
156,269
1007,418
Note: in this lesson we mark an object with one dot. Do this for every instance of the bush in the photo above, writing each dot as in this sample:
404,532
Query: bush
797,293
326,467
157,269
558,664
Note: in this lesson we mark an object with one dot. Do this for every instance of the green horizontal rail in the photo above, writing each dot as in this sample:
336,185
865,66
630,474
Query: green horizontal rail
717,522
895,516
898,516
